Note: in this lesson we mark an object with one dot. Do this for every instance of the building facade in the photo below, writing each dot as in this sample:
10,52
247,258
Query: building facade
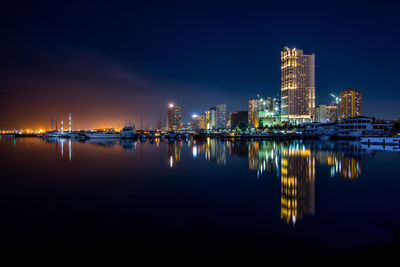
298,86
268,118
198,122
325,114
238,119
221,116
213,118
174,117
350,103
363,126
260,106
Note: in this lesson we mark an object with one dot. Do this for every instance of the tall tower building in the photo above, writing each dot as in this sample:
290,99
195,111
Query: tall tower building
298,86
221,116
174,116
350,103
213,118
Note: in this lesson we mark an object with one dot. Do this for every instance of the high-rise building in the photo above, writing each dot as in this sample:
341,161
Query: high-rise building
255,106
298,86
238,119
221,116
174,117
350,103
213,118
207,119
261,106
197,122
324,114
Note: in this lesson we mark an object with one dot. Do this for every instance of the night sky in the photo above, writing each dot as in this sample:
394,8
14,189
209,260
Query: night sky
110,62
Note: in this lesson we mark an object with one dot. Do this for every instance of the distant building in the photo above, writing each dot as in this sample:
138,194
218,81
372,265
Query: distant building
238,119
198,122
350,103
221,116
332,113
363,126
211,118
268,118
319,129
277,104
207,119
325,114
174,117
298,86
258,105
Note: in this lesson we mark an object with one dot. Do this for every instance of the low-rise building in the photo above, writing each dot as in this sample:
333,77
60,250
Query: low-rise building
319,129
363,126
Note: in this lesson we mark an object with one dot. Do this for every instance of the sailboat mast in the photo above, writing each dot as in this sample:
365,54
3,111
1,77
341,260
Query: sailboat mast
70,123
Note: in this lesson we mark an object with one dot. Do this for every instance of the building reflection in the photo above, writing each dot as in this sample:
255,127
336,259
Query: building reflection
344,158
212,149
263,157
297,182
174,150
294,162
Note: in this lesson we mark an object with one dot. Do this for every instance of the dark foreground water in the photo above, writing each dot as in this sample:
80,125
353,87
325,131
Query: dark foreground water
296,198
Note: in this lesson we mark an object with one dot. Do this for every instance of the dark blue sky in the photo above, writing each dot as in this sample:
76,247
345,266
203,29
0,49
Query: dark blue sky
112,61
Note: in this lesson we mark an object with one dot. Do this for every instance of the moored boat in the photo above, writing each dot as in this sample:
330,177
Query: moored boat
129,131
102,134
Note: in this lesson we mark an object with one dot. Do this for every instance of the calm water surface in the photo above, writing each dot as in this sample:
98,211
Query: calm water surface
190,195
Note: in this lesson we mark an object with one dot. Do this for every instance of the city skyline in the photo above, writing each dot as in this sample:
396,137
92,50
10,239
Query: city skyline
61,67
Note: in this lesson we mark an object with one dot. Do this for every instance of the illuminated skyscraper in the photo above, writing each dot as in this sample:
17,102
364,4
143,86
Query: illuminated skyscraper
350,103
174,117
198,122
298,86
221,116
213,117
255,106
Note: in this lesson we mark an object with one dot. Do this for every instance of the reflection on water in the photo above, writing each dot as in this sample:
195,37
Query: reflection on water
297,182
292,162
283,158
334,192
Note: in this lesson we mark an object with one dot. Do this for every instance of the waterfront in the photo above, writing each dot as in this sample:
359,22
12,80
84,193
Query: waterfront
215,196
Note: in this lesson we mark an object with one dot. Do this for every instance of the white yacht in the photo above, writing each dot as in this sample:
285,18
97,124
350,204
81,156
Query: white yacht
56,134
52,134
129,131
101,134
